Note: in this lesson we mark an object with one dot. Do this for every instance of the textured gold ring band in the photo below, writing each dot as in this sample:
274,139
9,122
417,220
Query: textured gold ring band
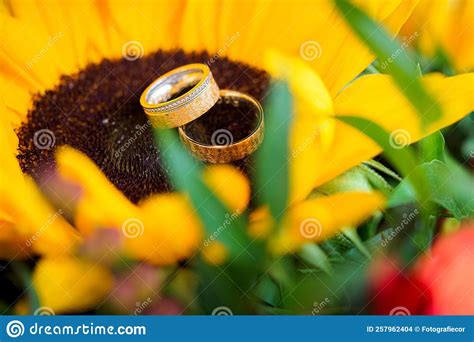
180,96
227,150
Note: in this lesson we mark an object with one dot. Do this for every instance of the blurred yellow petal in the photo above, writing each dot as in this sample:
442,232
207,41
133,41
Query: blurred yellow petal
444,24
50,232
314,219
162,230
260,223
312,131
230,185
377,98
101,203
12,242
69,285
169,230
26,214
215,253
459,43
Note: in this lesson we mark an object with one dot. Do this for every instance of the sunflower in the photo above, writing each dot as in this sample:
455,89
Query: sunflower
71,74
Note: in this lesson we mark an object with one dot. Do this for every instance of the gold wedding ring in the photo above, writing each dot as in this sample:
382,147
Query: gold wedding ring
180,96
222,148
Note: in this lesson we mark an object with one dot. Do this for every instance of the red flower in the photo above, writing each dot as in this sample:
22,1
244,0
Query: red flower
441,283
449,273
396,292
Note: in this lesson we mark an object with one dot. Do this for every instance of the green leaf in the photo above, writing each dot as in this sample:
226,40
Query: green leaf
186,175
450,187
352,235
403,159
394,58
268,291
376,180
315,256
432,147
370,229
272,157
25,275
372,245
382,168
354,179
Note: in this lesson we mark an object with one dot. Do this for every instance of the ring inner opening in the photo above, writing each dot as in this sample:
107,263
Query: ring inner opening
229,121
174,86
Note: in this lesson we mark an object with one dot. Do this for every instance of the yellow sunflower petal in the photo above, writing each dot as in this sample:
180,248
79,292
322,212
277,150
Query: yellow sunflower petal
47,19
137,21
311,30
16,99
230,185
377,98
199,25
101,204
68,284
315,219
27,51
86,30
168,231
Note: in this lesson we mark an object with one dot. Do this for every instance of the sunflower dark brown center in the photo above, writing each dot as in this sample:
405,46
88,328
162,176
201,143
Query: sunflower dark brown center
98,112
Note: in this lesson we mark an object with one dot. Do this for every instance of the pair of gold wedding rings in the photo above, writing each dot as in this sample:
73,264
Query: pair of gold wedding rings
185,94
